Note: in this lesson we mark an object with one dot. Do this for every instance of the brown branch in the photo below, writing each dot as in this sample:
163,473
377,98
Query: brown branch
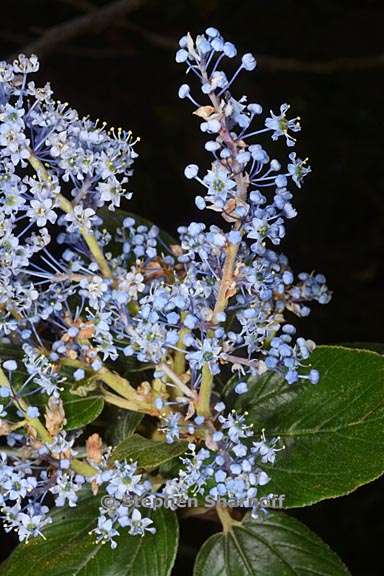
98,53
152,37
349,64
94,21
267,63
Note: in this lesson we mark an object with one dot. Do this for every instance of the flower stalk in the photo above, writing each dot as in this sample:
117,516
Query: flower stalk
227,521
67,207
34,423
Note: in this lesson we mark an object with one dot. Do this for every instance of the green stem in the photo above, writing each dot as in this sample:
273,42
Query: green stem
67,207
183,388
133,405
35,423
113,379
4,382
179,357
226,519
97,252
203,403
226,280
83,468
203,406
117,383
42,432
73,363
127,398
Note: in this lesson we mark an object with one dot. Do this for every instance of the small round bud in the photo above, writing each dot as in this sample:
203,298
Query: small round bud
183,42
229,50
248,62
234,237
200,202
184,91
79,374
10,365
181,55
219,407
191,171
314,376
212,32
275,165
212,146
33,412
199,420
158,403
241,388
255,108
213,126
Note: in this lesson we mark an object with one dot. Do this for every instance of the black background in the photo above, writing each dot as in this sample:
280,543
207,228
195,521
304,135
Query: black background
328,63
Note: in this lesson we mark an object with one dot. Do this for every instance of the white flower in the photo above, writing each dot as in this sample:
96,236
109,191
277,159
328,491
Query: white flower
26,64
80,217
41,212
138,525
112,191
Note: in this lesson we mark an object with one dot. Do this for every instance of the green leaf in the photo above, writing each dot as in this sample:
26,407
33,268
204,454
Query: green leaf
123,424
147,453
82,404
81,411
333,431
373,346
275,546
70,550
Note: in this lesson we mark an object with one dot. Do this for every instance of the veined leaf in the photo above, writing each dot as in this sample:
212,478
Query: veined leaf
123,424
81,411
333,431
275,546
147,453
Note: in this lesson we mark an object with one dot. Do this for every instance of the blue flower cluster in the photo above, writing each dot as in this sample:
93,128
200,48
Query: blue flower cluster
84,291
229,467
25,484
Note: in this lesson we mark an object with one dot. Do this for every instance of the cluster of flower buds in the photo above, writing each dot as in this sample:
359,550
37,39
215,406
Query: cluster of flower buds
229,466
85,290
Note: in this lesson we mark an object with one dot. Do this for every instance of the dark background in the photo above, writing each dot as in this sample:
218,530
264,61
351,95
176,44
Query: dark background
115,60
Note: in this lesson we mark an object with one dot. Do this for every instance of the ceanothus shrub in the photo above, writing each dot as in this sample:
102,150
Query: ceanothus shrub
140,372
